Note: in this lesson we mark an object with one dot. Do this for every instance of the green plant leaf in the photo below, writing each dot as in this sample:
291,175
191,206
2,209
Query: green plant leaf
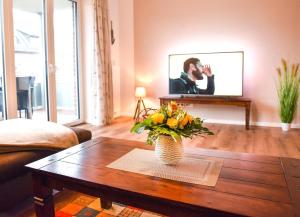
137,128
288,91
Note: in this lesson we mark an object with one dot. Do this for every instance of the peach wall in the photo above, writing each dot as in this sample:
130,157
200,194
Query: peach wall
127,75
298,49
265,30
114,12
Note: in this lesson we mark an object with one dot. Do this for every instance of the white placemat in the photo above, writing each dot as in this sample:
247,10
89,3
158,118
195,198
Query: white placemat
191,169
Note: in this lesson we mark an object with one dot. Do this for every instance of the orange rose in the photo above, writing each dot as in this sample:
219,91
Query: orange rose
190,118
183,122
172,123
158,118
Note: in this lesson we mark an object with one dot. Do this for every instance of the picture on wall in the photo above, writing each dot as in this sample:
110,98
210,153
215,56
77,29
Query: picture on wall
210,74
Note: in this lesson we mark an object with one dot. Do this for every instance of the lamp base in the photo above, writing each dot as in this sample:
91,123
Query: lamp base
138,109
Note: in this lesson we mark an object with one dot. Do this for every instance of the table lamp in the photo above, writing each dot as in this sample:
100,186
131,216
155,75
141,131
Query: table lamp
140,93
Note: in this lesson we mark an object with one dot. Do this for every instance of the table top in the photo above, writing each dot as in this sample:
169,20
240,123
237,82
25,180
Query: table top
248,185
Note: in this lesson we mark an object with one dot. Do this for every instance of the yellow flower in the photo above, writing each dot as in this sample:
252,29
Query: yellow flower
158,118
184,122
169,113
172,123
190,118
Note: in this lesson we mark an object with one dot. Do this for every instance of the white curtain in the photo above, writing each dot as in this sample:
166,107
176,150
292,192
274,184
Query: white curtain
102,86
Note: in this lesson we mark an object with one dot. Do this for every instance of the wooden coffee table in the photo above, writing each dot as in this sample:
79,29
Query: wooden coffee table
248,185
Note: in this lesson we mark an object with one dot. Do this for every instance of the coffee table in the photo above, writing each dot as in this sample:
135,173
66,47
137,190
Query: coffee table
248,185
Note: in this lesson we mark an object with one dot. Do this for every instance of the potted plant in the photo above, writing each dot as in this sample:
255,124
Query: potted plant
288,92
166,127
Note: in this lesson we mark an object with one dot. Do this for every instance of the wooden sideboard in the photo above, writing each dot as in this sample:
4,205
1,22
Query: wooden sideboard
228,101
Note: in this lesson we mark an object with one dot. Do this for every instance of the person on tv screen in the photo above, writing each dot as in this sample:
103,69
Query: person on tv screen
193,70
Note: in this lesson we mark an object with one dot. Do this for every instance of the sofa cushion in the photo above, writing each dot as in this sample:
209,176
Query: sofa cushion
12,164
30,135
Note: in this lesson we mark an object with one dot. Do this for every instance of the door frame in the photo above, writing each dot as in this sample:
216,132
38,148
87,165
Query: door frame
9,60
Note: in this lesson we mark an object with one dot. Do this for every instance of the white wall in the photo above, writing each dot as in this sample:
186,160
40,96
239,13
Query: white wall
115,51
121,13
297,118
266,30
127,72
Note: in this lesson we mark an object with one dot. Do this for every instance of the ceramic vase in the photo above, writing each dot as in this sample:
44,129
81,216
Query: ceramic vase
285,127
168,151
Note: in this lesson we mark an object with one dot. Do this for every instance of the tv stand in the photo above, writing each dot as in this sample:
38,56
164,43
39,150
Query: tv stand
230,101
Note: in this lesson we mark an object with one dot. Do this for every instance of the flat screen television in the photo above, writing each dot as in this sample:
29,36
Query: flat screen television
207,74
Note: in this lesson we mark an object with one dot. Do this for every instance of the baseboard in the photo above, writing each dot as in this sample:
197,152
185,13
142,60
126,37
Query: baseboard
260,124
273,124
117,113
126,114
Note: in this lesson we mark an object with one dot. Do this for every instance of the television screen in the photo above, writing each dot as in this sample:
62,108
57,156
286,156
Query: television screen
210,74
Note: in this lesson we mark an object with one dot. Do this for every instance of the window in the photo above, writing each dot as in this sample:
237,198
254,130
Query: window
66,60
30,69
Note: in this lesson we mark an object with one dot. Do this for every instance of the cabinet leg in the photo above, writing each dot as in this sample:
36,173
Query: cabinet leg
247,117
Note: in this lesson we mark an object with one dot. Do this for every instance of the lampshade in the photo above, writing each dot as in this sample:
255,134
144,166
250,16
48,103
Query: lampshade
140,92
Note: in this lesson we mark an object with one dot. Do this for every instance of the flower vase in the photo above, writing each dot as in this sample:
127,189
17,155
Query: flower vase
285,127
167,150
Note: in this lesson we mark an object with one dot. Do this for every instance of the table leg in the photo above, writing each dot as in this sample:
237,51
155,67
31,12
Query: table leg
105,204
247,113
43,198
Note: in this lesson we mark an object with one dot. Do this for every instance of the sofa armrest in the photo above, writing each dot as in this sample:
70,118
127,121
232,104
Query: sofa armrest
82,134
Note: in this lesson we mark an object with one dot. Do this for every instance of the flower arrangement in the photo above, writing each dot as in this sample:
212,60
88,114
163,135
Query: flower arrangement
288,90
170,120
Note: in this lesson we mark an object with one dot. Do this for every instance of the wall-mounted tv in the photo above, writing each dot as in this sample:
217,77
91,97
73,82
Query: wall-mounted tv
209,74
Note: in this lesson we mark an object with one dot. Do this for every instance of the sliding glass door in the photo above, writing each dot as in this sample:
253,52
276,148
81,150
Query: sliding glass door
30,59
66,60
45,34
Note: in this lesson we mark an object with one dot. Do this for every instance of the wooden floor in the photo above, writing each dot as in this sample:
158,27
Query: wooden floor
258,140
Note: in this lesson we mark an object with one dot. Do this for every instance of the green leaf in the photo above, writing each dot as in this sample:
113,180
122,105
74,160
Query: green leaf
137,128
147,122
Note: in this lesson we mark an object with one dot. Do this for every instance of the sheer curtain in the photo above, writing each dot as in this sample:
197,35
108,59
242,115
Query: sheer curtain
102,76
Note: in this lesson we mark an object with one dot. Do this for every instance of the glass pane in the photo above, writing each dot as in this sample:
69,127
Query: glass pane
2,89
30,59
65,37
